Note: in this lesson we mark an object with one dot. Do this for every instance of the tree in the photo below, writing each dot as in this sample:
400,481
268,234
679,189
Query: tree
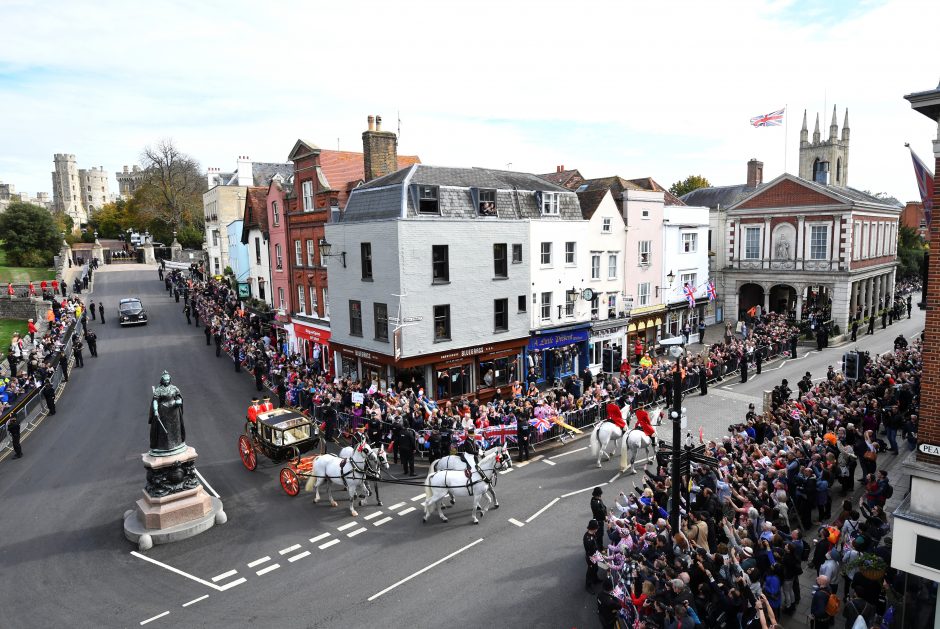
30,235
171,193
687,185
911,249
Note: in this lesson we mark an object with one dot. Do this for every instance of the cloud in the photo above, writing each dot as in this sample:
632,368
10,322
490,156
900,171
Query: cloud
662,89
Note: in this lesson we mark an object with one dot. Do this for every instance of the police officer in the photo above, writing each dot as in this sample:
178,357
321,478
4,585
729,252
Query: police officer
196,314
407,444
758,358
260,368
176,294
703,379
92,339
48,392
794,339
743,367
208,332
13,427
217,337
854,328
186,311
77,350
884,318
908,306
751,415
590,547
871,324
523,430
599,511
375,432
608,605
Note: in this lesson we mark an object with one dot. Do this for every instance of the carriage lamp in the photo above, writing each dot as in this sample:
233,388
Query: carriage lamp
670,279
326,251
571,294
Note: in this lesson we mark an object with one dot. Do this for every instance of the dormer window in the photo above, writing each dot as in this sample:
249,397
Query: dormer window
486,206
550,203
428,200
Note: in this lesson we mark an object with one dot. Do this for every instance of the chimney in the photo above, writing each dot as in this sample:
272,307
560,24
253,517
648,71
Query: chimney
755,173
379,151
371,123
559,169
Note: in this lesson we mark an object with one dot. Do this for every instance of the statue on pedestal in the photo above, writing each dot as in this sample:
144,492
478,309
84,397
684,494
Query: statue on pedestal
167,432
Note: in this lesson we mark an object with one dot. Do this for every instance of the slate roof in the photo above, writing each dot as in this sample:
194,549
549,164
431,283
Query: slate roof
718,196
648,183
344,170
263,172
570,179
256,211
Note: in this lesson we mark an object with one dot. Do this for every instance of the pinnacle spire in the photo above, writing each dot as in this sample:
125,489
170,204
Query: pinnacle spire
804,120
833,126
834,123
845,126
816,131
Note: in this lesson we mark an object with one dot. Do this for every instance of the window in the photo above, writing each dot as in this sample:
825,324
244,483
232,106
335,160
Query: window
522,303
301,300
278,257
645,250
611,305
595,266
453,381
517,254
313,300
690,279
751,243
818,242
218,266
569,304
499,260
275,213
326,305
281,303
487,204
605,226
298,253
366,254
550,203
311,260
645,214
427,200
381,321
440,267
611,266
595,307
500,315
498,372
355,317
442,323
257,250
546,312
546,254
307,187
569,253
643,294
689,242
215,237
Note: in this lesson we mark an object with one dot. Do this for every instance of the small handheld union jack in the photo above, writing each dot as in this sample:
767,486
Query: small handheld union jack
712,293
690,294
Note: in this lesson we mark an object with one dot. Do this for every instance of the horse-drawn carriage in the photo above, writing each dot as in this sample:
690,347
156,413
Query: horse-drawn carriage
282,435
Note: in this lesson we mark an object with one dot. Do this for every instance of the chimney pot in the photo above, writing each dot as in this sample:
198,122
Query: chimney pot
371,123
755,173
378,123
559,169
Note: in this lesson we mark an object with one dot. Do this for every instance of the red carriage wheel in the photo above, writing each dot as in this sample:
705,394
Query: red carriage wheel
247,452
289,482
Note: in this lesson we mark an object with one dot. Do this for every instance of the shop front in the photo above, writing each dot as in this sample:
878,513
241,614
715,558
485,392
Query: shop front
359,365
644,326
557,354
313,343
606,345
679,314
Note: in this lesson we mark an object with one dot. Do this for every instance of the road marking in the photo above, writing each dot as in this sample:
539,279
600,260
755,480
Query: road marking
406,511
425,569
516,522
196,600
224,575
176,570
523,464
270,568
549,462
538,458
229,586
417,498
558,456
289,550
332,542
204,482
306,553
257,562
617,475
314,540
581,491
541,511
372,515
507,471
348,525
387,518
356,532
144,622
397,505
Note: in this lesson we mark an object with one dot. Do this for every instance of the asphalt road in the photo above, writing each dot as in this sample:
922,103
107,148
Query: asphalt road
279,561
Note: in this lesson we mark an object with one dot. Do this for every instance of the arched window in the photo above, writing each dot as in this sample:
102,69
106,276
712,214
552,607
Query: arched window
838,170
815,168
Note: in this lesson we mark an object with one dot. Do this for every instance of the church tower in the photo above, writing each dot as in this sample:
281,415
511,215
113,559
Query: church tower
825,161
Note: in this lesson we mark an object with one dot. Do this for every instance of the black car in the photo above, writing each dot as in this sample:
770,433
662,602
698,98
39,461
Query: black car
131,312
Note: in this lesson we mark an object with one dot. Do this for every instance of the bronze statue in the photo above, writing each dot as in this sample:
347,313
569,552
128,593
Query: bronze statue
167,432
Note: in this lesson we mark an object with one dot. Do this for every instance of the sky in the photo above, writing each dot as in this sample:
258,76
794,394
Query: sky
661,88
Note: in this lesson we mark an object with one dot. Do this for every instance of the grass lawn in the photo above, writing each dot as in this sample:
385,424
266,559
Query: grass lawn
22,274
7,328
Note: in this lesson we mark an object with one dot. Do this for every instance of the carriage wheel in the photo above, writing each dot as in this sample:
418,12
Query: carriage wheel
289,482
293,455
247,452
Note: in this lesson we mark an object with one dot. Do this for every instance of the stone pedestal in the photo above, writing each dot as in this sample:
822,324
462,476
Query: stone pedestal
174,505
148,253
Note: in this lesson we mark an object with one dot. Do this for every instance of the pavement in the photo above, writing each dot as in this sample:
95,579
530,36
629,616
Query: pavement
281,561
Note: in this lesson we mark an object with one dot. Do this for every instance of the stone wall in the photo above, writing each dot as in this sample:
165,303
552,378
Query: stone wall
23,309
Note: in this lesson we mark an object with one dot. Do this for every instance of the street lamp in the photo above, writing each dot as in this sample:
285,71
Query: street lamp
326,251
676,350
670,279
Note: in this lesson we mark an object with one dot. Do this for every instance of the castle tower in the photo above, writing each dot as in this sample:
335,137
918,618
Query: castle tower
826,161
94,188
66,189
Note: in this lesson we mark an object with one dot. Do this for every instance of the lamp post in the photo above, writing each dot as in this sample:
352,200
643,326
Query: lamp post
676,351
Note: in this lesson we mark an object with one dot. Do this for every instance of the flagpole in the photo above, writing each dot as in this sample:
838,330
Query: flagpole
786,130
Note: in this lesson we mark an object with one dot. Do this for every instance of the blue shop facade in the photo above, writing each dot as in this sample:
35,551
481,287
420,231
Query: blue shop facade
557,353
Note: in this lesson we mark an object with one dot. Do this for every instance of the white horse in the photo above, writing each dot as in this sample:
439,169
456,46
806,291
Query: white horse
351,473
606,432
458,463
635,440
440,484
347,452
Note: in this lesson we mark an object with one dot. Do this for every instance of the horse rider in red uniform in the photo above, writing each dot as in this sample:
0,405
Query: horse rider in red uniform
643,423
615,416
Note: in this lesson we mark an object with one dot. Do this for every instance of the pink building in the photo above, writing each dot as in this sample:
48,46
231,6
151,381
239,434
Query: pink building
278,196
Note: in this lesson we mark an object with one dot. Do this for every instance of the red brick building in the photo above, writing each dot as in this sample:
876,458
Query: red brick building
913,216
322,182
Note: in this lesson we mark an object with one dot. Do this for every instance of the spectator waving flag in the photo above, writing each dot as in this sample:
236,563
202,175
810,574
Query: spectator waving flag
773,119
541,424
690,294
712,293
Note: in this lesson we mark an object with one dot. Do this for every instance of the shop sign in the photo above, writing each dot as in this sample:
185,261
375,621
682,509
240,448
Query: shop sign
547,341
929,448
314,335
244,290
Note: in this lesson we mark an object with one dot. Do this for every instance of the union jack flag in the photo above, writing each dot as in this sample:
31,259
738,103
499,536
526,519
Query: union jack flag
773,119
502,435
541,424
479,437
689,294
712,293
924,185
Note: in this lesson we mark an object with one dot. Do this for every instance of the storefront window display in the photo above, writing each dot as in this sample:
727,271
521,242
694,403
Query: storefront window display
452,381
349,370
410,377
498,372
374,376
